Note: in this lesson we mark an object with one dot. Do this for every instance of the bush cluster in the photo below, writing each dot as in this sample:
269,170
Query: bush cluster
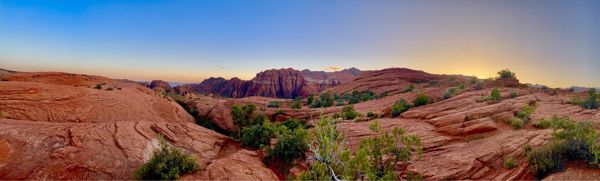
376,159
291,136
522,116
591,102
274,104
495,95
410,88
399,107
256,136
348,112
453,91
243,116
554,122
509,163
297,104
327,100
570,141
166,164
506,74
421,100
371,114
324,100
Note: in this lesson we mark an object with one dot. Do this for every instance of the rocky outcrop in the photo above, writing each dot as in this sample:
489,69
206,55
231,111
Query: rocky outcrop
59,126
392,80
65,103
44,150
156,84
280,83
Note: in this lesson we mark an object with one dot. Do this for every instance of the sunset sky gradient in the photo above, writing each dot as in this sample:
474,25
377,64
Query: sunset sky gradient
550,42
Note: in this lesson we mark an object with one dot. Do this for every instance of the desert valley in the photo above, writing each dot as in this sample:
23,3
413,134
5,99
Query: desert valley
299,90
394,123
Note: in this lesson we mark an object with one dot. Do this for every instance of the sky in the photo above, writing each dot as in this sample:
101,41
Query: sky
551,42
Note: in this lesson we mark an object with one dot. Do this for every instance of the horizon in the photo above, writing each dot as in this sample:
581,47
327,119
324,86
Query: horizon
553,43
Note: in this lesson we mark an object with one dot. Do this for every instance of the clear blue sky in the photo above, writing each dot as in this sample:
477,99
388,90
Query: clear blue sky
544,41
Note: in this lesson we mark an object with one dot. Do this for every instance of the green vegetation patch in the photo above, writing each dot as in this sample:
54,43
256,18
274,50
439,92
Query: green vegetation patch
167,163
376,159
570,141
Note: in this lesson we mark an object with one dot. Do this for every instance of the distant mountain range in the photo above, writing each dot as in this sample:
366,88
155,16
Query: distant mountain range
283,83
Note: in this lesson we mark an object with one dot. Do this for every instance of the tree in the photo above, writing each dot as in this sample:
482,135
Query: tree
242,116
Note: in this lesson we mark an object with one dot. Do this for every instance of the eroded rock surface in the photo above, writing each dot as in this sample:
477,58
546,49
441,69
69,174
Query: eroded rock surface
59,126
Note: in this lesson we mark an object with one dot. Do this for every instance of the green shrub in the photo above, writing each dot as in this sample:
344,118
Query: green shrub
506,74
575,101
297,104
292,124
98,86
570,141
525,112
451,91
349,113
280,111
357,97
370,114
309,100
166,164
315,104
591,102
274,104
399,107
495,95
421,100
376,159
514,94
410,88
339,102
326,100
509,163
383,94
291,145
256,136
516,123
554,122
542,124
109,89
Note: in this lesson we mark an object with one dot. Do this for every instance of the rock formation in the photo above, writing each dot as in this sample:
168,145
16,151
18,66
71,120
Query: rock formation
70,126
281,83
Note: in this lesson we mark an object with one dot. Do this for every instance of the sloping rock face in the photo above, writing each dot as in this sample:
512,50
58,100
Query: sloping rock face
63,103
44,150
58,126
280,83
467,138
392,80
